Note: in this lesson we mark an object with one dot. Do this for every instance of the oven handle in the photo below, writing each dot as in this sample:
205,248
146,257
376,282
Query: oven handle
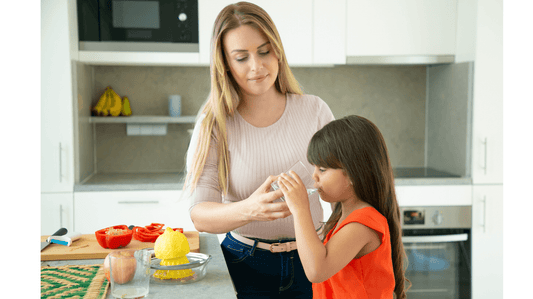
435,239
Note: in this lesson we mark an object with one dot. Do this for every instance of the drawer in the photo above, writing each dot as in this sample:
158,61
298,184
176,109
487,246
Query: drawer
97,210
434,195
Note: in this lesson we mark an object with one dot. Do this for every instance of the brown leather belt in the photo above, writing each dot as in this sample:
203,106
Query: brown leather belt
274,247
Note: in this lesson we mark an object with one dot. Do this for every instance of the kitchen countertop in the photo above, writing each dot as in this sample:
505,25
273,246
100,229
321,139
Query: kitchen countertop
174,181
217,280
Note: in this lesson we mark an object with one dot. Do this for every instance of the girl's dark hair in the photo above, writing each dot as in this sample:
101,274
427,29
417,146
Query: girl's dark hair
355,144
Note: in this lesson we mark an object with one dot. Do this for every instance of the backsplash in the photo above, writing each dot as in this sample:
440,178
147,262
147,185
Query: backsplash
393,97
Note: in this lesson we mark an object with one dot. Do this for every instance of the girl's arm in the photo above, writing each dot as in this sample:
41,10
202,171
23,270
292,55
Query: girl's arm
217,218
320,262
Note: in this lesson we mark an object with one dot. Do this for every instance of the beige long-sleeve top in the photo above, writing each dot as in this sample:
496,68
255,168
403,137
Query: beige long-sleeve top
255,153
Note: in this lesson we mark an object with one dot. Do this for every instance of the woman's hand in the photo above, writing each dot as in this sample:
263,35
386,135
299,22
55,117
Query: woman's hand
294,191
260,205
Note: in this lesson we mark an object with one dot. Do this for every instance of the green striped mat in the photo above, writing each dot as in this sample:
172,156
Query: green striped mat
81,281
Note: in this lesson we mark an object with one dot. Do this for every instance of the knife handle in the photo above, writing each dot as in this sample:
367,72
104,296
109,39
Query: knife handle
60,232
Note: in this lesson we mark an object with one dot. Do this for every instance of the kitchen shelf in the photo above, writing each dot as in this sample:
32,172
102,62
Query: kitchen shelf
144,119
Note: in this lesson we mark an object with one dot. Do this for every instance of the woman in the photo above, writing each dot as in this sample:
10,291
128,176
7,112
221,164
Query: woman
255,124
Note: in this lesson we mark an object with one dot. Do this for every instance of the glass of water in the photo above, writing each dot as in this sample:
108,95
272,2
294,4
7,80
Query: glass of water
300,169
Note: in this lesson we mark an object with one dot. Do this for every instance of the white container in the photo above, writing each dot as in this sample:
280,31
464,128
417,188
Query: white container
174,105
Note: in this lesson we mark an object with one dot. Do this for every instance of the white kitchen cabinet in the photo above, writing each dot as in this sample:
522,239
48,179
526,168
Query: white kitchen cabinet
57,147
293,19
401,27
97,210
487,135
312,32
487,242
329,32
56,212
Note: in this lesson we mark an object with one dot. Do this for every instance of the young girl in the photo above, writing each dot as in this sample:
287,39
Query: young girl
361,255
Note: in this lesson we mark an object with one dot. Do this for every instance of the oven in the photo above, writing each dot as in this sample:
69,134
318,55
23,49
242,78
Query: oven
437,241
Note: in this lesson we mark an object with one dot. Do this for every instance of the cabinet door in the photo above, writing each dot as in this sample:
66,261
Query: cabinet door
329,32
293,19
401,27
487,143
434,195
56,212
97,210
487,242
57,152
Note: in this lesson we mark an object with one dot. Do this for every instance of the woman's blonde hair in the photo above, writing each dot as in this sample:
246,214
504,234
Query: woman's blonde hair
225,93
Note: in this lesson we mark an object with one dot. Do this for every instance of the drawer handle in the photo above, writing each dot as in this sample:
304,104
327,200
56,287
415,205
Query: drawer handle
135,202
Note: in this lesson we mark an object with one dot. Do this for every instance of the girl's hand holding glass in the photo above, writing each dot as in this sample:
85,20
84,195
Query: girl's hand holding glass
294,191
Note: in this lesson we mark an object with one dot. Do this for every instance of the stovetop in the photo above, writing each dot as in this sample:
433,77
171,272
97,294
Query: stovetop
421,172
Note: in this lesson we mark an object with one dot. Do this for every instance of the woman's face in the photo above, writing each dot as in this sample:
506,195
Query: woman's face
333,185
251,60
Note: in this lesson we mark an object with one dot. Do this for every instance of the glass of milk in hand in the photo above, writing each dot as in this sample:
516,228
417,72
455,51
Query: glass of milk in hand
300,169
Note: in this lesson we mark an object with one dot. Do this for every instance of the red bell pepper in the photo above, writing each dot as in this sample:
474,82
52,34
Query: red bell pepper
114,236
151,232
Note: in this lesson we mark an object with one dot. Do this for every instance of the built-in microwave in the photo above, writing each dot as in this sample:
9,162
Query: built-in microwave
138,25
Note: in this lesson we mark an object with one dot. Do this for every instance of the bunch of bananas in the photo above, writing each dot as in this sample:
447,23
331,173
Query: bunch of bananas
110,104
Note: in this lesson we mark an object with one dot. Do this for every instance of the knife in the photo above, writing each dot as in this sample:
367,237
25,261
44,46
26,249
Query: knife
62,231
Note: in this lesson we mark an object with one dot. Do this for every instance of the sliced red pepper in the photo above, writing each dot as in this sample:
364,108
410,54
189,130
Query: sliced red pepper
155,226
151,232
114,241
144,235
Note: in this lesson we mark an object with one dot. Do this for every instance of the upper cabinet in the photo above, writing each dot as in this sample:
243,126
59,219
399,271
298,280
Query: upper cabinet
401,27
57,145
328,32
312,32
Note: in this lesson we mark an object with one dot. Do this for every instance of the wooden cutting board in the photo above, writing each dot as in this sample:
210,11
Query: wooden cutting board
87,248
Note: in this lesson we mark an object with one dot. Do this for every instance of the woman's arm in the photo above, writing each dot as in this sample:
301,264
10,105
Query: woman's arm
217,218
320,261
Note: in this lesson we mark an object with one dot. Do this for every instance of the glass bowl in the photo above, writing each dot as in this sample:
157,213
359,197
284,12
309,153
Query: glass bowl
197,264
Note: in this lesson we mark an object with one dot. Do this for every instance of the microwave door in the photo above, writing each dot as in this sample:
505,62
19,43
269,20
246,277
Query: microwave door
137,21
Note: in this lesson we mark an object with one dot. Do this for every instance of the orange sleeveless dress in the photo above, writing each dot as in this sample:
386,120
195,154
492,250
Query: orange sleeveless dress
368,277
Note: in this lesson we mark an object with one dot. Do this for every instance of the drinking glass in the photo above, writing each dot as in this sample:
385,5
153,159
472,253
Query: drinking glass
300,169
129,273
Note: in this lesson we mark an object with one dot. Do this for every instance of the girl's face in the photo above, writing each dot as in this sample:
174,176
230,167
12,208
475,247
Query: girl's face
251,60
333,185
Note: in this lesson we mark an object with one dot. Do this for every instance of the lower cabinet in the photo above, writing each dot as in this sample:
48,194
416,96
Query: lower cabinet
487,242
56,212
97,210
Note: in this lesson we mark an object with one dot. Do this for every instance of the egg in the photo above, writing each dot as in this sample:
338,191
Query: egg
123,265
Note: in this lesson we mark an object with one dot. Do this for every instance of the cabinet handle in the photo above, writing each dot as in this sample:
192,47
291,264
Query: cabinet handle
485,157
484,218
136,202
60,215
60,166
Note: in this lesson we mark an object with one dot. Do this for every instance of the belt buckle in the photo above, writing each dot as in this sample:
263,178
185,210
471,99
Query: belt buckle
278,247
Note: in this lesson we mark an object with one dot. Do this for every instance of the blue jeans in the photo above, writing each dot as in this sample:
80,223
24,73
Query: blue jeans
258,273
